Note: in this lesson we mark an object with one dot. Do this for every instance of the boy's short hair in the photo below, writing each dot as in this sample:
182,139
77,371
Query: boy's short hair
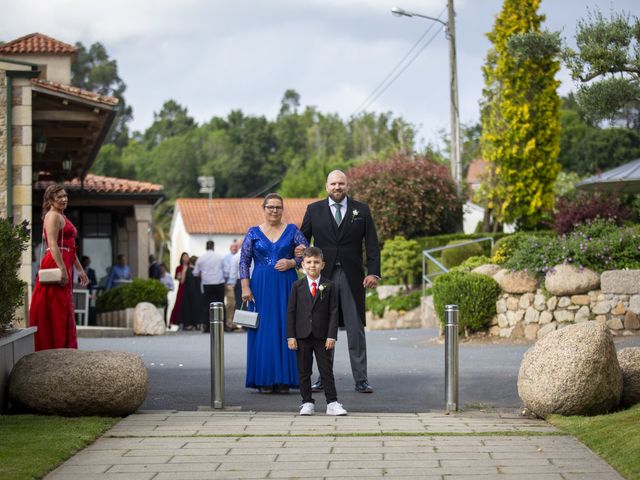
312,252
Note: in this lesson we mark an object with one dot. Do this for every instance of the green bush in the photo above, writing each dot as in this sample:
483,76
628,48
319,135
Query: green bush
455,256
504,248
402,302
471,263
475,295
599,245
14,240
401,261
129,295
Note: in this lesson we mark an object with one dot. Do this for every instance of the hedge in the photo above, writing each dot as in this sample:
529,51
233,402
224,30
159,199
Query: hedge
129,295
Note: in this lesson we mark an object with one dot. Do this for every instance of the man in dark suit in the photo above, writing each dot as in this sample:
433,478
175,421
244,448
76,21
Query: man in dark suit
338,225
312,327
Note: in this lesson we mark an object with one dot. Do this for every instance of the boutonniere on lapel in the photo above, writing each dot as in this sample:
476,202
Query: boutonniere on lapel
354,215
322,288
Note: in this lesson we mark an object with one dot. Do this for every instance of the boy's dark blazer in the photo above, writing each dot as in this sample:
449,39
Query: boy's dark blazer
307,314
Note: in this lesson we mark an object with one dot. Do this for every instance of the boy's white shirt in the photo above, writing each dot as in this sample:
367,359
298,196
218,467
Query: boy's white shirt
317,280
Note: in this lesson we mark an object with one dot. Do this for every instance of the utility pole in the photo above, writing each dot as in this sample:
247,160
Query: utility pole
456,161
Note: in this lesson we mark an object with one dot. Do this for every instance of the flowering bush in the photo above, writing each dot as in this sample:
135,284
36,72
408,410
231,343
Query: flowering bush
409,196
599,245
573,211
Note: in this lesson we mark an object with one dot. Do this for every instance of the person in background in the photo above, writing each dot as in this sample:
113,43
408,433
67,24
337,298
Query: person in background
85,261
192,307
154,268
230,280
52,304
120,273
209,267
180,275
167,281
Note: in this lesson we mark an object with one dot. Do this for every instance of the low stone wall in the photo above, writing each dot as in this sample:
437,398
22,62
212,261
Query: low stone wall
533,315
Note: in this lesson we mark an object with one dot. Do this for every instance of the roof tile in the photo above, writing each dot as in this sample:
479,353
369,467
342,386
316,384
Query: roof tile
36,43
75,91
101,184
234,215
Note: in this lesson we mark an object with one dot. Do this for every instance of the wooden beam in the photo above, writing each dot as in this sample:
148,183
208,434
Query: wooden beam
65,116
70,132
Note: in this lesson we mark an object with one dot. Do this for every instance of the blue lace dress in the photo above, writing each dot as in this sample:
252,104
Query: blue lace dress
269,360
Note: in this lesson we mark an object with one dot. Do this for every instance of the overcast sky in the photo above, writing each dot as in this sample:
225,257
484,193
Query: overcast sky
213,56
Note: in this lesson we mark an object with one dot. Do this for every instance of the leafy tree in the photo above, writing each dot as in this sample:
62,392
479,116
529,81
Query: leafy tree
520,129
93,70
170,121
400,260
419,195
607,63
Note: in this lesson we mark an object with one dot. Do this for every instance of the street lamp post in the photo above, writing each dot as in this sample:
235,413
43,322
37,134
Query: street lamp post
208,185
450,29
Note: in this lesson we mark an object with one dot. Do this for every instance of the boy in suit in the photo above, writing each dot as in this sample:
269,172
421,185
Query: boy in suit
312,327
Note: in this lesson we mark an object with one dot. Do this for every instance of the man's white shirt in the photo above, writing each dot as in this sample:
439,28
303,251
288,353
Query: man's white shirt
210,268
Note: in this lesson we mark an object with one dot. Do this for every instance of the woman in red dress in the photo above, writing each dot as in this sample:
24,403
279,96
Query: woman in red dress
181,271
52,305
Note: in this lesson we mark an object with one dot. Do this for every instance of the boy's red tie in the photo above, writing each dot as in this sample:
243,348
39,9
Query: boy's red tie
313,289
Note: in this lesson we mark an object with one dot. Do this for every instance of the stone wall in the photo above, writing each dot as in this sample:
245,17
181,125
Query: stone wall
533,315
3,143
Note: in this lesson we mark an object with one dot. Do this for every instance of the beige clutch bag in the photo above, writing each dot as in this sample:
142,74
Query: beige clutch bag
50,276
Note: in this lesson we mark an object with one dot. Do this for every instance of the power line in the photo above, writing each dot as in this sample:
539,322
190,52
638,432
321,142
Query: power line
381,88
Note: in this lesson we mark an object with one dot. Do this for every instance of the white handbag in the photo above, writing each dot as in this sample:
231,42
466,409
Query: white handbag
49,276
246,318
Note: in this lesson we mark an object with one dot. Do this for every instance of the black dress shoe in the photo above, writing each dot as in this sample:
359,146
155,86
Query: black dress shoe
317,387
364,387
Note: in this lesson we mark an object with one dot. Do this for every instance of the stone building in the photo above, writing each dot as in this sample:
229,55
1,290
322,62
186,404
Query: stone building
51,131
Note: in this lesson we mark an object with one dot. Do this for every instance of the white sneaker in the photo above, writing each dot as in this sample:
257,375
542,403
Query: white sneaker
335,408
307,409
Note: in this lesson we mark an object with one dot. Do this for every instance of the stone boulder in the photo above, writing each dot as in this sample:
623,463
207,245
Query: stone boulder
568,280
621,282
147,320
629,360
78,383
488,269
516,282
572,371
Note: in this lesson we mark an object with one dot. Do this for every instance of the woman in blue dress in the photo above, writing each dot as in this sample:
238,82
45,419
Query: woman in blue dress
271,366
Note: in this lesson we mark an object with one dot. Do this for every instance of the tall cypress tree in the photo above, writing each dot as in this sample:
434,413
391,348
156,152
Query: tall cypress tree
520,115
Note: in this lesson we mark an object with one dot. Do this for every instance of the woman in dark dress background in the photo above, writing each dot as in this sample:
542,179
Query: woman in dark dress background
192,307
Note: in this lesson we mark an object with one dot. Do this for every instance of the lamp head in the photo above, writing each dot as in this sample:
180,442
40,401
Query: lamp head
399,12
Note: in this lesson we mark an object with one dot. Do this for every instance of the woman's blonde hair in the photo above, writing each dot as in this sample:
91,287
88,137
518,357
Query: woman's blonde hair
49,195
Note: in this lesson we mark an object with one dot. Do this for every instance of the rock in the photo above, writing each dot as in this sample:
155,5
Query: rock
147,320
563,316
580,299
601,308
487,269
506,332
525,301
564,302
531,315
503,322
518,330
545,318
629,360
615,324
514,317
568,280
620,281
582,315
78,383
501,306
634,303
512,303
547,329
539,302
516,282
385,291
572,371
531,331
495,331
631,321
552,303
619,309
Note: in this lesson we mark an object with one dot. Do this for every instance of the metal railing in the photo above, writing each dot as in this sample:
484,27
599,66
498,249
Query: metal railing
426,256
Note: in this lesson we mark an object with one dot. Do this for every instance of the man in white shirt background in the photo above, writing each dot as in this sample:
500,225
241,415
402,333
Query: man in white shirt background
230,277
210,268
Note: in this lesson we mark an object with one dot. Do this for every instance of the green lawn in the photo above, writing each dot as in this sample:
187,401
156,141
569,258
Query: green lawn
615,437
32,445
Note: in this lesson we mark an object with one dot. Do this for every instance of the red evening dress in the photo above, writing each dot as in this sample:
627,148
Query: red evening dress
175,313
52,305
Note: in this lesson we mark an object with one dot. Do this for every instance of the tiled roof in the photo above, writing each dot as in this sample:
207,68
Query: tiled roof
36,43
234,215
100,184
75,91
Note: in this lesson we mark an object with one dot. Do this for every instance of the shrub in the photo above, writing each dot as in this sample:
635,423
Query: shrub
455,256
471,263
574,211
598,245
503,249
401,261
402,302
475,295
410,196
130,294
14,240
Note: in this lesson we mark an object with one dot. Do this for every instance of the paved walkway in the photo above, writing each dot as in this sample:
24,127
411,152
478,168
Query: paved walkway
170,445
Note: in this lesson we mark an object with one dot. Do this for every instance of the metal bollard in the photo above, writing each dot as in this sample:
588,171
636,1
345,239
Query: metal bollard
451,357
216,324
